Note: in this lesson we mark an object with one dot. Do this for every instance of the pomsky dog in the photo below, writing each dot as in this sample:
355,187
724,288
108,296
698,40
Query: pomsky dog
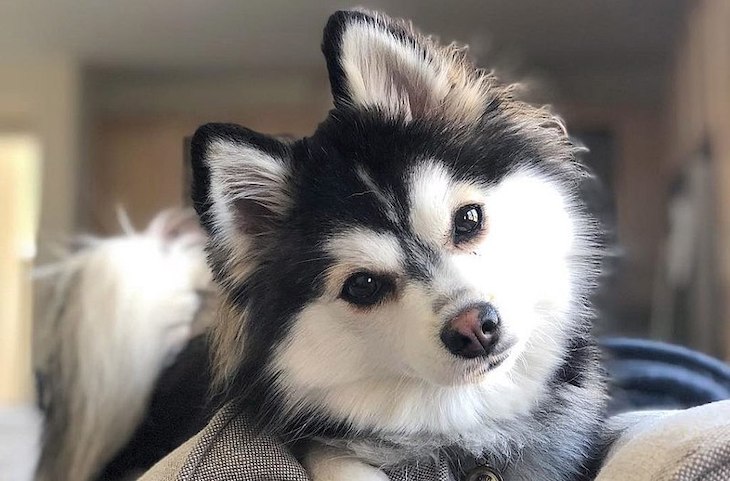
414,277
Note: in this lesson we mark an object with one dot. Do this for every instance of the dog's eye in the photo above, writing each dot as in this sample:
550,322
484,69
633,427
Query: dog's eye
364,288
467,222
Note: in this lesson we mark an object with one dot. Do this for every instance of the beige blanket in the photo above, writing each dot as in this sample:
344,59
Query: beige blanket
691,445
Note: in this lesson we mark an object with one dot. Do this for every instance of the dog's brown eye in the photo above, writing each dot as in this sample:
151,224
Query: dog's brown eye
467,222
364,289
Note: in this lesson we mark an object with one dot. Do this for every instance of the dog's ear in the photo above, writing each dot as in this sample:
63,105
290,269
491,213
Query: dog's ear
381,63
240,181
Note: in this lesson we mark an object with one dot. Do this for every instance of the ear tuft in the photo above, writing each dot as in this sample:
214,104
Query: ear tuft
380,63
240,180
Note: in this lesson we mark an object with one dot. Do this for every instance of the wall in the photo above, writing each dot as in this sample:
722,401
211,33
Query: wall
43,96
139,121
700,101
640,183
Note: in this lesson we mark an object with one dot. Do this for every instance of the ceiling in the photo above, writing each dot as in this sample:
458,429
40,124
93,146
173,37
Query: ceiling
285,33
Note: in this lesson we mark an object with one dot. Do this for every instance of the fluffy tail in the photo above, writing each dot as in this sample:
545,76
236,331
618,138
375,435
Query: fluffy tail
118,312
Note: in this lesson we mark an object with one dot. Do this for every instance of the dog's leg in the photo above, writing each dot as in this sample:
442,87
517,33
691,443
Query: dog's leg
331,464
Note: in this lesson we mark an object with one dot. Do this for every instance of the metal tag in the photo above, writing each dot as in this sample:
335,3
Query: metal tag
483,473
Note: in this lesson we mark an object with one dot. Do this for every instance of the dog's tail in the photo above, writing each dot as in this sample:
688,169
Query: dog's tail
118,311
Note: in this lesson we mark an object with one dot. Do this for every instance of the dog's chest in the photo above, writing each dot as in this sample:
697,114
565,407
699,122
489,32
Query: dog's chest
493,443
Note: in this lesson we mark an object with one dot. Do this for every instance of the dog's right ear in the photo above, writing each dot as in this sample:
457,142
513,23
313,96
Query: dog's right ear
240,181
376,62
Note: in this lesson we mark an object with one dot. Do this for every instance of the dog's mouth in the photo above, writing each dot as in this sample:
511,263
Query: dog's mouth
488,363
479,367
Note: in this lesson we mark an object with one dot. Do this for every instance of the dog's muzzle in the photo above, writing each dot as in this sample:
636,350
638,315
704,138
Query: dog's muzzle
473,332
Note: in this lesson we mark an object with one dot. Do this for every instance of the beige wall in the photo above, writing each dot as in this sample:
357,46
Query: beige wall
43,96
139,122
640,185
700,102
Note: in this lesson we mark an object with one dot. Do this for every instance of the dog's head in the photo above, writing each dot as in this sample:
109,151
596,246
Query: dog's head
425,242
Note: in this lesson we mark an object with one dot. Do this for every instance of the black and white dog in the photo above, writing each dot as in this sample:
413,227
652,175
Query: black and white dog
414,276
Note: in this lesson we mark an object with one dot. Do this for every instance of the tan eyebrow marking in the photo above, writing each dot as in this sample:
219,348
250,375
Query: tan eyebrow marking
362,249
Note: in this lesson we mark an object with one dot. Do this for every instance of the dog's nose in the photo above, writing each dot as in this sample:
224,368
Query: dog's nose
473,332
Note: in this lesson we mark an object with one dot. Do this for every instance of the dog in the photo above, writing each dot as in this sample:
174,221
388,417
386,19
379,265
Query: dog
412,279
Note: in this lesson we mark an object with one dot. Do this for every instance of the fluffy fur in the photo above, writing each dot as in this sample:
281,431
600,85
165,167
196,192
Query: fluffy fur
119,310
416,133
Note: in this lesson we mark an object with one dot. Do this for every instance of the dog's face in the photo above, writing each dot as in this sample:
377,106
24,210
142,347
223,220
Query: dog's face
425,241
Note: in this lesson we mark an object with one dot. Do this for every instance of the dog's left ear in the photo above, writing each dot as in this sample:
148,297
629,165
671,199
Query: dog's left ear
384,64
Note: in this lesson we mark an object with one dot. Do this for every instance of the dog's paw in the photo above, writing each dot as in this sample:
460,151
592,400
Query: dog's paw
330,464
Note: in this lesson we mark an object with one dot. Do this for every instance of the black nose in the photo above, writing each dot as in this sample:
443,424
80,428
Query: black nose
473,332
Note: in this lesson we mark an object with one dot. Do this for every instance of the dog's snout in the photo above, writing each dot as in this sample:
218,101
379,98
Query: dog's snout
473,332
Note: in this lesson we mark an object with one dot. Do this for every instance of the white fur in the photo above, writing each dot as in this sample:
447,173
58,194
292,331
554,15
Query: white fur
240,171
370,56
124,308
434,199
387,368
409,78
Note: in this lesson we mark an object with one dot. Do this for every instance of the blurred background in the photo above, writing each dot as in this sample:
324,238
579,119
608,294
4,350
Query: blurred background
97,97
